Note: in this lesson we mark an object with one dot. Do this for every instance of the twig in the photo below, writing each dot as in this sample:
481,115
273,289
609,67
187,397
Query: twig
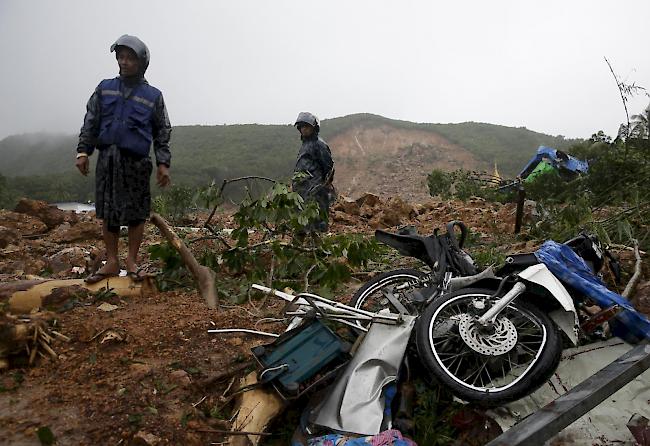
311,268
32,355
620,90
232,381
637,272
212,237
220,195
60,336
219,431
48,349
225,374
269,319
628,248
199,401
243,330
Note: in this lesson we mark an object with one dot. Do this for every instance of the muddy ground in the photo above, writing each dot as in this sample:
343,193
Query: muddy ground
147,388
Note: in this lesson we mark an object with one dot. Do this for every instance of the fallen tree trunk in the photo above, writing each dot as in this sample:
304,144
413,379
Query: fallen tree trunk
255,410
204,276
26,300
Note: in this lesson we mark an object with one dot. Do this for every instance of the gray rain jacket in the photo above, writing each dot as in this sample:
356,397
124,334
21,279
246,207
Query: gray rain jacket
315,159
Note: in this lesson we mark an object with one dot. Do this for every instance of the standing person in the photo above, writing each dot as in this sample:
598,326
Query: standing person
314,160
124,116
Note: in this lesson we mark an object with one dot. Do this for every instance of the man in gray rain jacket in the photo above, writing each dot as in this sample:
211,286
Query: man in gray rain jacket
124,116
315,161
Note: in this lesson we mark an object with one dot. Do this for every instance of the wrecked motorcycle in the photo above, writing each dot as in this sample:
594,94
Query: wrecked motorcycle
494,338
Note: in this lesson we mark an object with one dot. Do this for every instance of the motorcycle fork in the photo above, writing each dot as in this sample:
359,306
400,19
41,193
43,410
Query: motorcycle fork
490,316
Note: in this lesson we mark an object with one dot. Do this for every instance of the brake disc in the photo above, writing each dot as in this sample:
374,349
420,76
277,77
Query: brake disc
501,339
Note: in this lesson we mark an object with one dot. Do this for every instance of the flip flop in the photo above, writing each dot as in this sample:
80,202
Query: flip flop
98,277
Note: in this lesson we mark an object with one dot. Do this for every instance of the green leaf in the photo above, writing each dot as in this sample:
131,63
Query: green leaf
45,435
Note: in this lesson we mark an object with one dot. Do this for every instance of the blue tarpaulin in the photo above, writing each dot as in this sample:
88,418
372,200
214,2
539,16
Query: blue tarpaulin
557,159
571,269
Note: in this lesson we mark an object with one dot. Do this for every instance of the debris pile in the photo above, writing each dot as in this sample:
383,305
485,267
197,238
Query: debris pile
36,239
23,339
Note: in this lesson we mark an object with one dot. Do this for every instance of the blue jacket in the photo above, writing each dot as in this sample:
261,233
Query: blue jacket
126,121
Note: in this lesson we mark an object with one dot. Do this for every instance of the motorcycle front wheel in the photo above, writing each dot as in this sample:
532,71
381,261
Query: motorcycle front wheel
487,365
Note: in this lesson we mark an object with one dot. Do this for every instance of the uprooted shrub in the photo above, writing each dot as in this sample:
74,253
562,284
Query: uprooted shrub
273,246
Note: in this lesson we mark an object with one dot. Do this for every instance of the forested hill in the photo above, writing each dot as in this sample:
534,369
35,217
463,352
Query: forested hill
41,165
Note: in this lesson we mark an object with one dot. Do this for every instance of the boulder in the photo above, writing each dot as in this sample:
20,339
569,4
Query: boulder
68,258
389,218
64,297
368,199
346,205
180,378
84,230
22,223
50,215
343,218
367,211
400,207
8,236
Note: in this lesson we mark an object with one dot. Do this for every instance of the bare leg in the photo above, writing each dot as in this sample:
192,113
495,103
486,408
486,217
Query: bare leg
135,240
110,240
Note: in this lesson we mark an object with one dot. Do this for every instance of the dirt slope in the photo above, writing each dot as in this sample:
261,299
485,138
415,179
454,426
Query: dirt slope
389,161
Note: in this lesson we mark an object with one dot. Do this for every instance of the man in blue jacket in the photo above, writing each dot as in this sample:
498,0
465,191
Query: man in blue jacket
124,117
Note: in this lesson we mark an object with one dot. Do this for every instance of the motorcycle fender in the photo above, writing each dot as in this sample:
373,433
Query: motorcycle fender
565,318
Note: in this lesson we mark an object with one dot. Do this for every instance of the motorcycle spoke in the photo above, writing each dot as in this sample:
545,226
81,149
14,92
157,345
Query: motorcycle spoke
478,374
528,349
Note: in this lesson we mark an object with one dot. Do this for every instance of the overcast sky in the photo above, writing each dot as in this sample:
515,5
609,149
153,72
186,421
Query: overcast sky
516,63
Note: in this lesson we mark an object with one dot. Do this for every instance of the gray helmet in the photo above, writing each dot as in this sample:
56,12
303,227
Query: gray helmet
136,45
308,118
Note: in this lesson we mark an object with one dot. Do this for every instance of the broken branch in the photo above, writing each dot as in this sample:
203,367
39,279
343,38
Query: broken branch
637,272
204,276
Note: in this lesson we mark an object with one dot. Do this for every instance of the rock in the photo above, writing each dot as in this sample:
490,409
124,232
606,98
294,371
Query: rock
346,205
68,258
344,218
23,266
367,211
368,199
389,218
64,297
530,214
400,207
105,306
85,230
180,377
50,215
8,236
144,438
22,223
138,371
235,341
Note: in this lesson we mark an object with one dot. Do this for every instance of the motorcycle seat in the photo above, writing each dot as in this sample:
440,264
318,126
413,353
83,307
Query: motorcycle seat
517,262
424,248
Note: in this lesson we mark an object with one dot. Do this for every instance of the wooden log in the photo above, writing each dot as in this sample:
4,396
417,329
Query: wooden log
256,409
204,276
23,302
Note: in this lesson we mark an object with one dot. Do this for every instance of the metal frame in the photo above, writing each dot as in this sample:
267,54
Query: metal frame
555,416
